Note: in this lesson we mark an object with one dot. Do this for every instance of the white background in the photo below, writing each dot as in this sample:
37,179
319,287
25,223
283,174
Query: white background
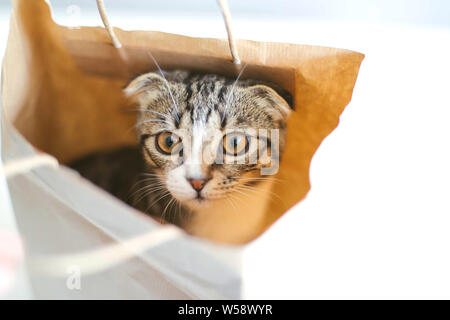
376,221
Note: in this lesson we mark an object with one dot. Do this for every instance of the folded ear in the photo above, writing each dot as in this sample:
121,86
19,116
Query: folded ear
144,85
267,96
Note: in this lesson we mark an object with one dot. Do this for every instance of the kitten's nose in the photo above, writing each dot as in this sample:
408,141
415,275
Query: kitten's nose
197,184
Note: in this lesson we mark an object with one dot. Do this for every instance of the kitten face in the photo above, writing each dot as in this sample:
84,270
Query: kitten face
205,137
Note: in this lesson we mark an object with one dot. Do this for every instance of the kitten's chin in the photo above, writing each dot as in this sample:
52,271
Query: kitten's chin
193,202
198,203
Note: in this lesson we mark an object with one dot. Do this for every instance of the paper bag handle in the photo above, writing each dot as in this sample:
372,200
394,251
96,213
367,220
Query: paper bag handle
223,4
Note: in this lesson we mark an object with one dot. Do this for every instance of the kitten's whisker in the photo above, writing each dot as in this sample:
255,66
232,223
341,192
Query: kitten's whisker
131,128
179,208
232,204
152,111
140,123
253,193
244,181
269,193
153,179
151,188
146,191
167,193
234,197
151,174
170,210
231,91
156,179
149,182
241,192
165,208
167,84
145,195
173,210
136,184
152,120
259,178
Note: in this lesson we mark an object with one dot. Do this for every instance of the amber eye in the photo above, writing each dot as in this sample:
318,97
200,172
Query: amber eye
168,143
235,144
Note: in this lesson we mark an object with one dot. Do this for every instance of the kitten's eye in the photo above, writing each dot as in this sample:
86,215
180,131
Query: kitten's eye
235,144
168,143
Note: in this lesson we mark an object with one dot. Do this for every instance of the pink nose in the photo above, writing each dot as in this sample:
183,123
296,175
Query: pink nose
197,184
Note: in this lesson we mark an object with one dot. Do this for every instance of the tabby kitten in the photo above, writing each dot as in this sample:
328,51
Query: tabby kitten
205,139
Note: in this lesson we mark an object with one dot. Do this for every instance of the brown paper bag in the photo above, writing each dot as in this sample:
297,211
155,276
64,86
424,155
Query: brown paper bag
62,90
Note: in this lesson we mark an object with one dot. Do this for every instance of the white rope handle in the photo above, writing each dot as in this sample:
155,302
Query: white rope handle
226,17
223,4
103,14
